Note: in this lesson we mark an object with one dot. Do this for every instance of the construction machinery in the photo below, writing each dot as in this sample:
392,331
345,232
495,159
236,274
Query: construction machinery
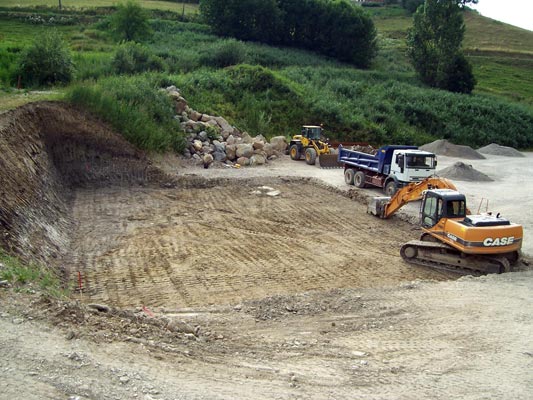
391,168
452,238
311,144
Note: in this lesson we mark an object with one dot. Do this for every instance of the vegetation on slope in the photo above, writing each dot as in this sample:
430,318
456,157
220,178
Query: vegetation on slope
272,90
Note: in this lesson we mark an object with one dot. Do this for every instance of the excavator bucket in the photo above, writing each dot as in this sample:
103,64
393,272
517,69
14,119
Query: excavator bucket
329,161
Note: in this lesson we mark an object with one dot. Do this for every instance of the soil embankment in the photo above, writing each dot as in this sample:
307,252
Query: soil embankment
48,149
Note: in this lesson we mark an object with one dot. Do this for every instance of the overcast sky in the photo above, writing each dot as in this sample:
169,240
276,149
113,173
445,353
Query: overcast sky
514,12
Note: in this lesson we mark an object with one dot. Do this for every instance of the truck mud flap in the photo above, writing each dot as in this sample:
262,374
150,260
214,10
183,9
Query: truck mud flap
329,161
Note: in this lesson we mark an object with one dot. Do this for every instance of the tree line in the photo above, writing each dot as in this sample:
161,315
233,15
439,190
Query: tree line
334,28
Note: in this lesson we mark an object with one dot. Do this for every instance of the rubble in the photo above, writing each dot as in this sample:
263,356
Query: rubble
212,139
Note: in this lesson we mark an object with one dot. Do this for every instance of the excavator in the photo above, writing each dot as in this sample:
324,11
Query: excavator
453,238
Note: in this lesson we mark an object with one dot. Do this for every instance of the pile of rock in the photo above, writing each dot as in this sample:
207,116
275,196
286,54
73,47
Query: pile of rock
211,138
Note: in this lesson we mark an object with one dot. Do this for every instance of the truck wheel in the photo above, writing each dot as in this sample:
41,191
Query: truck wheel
359,179
348,176
294,152
390,188
310,156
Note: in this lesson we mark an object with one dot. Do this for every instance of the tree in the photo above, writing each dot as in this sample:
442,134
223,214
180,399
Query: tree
130,22
47,61
434,46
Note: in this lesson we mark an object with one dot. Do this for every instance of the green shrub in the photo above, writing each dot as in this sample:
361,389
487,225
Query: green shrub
130,22
46,62
227,53
133,58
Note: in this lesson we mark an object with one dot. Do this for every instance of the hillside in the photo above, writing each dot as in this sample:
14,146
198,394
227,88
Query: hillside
272,90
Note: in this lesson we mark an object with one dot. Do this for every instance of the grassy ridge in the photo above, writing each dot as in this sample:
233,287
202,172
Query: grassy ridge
80,4
274,90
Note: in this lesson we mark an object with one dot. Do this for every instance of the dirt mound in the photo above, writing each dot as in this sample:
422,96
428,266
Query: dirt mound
47,150
444,148
497,150
463,172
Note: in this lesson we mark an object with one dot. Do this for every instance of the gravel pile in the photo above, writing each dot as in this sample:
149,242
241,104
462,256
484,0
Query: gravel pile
497,150
444,148
463,172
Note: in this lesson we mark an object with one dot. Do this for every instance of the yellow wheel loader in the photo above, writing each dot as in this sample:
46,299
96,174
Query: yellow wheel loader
311,144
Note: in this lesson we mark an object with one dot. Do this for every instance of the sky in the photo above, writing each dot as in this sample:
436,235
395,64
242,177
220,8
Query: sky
515,12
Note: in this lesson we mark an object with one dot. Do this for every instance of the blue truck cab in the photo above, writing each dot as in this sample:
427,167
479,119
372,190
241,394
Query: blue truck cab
391,168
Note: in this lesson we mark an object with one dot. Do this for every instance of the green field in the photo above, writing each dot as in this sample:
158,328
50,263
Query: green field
156,5
269,90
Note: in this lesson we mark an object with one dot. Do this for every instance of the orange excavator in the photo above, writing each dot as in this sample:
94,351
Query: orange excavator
452,237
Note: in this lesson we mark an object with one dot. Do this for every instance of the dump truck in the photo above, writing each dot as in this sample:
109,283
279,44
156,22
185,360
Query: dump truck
452,238
391,168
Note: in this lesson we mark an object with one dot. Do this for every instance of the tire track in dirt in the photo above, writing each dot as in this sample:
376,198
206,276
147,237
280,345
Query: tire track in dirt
219,245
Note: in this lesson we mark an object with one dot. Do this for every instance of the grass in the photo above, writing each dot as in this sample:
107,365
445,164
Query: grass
12,98
84,4
30,276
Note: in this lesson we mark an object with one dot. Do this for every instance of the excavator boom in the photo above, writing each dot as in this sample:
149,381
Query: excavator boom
385,207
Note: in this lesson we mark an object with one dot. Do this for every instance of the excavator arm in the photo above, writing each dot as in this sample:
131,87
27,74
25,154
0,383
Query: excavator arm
385,207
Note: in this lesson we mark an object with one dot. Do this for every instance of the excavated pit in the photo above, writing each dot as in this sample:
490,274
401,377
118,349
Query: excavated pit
79,197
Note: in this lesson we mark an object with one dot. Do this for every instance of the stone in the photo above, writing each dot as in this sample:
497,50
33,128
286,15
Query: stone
245,150
258,145
202,136
219,156
224,125
206,118
279,143
257,159
268,149
243,161
180,106
195,115
231,151
230,140
207,159
246,138
197,144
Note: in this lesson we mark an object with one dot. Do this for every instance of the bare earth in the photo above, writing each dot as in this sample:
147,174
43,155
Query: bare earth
216,290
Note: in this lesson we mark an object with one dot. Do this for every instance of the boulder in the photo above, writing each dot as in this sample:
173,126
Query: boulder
207,159
180,106
197,144
279,143
245,150
224,125
202,136
195,115
269,149
219,156
246,138
258,144
243,161
230,139
231,151
257,159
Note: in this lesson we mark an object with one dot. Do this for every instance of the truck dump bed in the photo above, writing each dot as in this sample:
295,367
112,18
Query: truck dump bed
379,163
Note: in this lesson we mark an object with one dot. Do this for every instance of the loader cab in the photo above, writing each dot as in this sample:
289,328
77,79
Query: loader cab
312,132
442,203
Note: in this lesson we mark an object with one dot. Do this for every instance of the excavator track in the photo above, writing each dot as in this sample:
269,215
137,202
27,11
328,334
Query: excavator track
443,257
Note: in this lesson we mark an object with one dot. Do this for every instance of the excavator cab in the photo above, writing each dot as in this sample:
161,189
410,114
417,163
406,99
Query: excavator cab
442,203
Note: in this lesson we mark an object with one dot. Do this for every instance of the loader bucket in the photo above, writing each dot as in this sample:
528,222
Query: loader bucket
329,161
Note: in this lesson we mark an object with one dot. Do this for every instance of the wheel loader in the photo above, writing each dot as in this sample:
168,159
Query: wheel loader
311,144
452,238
